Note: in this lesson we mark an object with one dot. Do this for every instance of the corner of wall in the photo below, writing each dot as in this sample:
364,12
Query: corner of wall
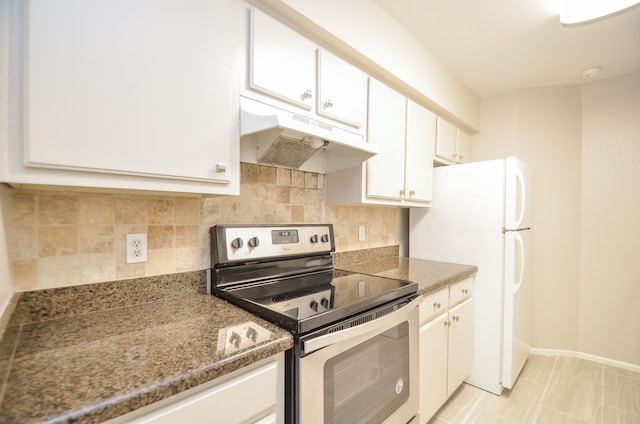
6,285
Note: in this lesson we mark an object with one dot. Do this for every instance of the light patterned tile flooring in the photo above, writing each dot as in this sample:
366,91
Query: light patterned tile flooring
551,390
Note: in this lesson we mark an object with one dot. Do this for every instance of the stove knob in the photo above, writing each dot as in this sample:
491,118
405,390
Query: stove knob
237,243
325,303
314,305
325,238
254,242
314,238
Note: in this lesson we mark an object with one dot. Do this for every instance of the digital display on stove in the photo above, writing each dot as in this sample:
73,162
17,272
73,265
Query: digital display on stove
284,236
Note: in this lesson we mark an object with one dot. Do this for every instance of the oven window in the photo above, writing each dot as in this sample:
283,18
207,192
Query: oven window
367,383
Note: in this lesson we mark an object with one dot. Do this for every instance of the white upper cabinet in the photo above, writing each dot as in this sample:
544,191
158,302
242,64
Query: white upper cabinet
452,145
420,145
387,119
289,68
463,147
282,63
342,90
447,137
401,174
131,94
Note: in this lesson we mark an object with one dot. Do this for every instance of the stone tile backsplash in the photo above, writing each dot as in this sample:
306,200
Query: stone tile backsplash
65,238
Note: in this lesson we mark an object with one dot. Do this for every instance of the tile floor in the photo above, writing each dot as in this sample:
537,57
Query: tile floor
551,390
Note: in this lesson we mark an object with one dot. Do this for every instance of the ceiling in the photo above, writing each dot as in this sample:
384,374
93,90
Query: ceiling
495,46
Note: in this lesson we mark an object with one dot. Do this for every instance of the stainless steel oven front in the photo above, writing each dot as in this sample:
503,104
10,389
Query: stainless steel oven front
366,373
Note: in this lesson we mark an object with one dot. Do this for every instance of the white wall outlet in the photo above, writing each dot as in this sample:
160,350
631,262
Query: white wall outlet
136,248
361,236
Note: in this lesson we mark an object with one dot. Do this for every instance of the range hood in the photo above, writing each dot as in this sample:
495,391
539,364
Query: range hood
273,136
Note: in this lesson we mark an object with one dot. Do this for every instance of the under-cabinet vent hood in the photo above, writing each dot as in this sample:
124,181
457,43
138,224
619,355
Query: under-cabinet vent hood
276,137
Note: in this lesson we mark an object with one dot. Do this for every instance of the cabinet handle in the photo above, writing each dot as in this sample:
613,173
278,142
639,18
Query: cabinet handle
455,318
402,193
307,94
465,291
436,305
328,104
221,167
447,323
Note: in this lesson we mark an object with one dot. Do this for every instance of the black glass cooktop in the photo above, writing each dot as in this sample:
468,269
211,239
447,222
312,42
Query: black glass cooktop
309,301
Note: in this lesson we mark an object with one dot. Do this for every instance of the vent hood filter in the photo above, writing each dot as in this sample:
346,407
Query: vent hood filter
290,152
286,139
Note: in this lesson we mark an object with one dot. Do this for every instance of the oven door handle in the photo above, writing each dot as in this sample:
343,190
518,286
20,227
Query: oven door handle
387,321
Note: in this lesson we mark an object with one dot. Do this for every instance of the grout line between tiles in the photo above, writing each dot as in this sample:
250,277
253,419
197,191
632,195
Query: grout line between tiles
555,373
544,392
603,371
476,404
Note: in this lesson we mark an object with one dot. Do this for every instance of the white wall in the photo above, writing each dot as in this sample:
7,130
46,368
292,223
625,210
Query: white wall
542,126
610,236
370,37
6,288
582,144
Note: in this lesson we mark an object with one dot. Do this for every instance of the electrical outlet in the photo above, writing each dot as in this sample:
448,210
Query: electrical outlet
361,236
136,248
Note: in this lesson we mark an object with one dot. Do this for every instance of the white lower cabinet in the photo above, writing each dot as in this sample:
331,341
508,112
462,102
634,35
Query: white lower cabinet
251,395
433,366
446,345
460,355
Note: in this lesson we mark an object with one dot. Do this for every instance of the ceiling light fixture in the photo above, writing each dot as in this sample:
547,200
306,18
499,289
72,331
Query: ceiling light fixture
576,12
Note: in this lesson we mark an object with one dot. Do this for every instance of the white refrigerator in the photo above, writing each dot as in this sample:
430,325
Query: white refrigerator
481,215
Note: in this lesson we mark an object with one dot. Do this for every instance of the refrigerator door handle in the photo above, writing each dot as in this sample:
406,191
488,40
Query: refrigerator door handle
520,249
504,230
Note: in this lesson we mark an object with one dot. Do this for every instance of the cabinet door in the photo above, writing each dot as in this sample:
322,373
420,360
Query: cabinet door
342,90
446,140
386,122
130,87
421,136
460,344
433,367
463,147
281,61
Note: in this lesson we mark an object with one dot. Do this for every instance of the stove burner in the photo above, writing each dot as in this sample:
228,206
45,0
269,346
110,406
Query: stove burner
288,276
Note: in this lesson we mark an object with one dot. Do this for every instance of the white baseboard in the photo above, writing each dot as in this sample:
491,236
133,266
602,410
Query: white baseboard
587,356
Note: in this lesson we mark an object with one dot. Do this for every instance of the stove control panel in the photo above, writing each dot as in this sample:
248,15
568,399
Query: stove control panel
233,243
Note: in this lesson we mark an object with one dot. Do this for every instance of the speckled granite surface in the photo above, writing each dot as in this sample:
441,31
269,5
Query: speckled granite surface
93,352
430,275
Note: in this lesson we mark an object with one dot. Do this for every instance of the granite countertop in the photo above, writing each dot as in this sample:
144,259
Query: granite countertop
94,352
430,275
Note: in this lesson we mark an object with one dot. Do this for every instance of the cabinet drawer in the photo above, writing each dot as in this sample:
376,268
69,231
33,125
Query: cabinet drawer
251,394
434,304
460,291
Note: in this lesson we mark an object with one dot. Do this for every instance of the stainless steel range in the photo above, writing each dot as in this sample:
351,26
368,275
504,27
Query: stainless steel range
355,350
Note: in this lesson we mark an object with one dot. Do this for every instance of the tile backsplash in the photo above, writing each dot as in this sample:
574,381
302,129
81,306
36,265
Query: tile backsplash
64,238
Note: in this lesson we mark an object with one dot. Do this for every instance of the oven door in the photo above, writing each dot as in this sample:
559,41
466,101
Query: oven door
364,374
